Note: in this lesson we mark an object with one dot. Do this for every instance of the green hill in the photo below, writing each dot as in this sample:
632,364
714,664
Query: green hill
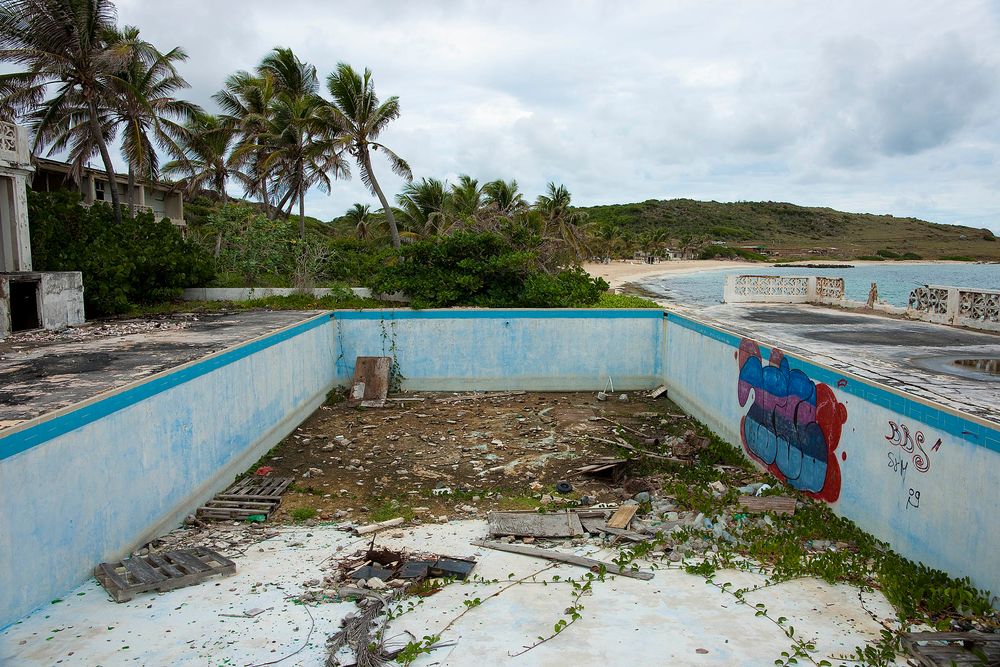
791,231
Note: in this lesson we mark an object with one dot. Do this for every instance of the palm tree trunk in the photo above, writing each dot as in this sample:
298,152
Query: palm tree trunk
281,204
381,197
109,167
130,196
302,214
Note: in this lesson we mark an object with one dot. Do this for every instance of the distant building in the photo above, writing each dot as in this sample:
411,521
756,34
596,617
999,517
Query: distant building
28,299
163,201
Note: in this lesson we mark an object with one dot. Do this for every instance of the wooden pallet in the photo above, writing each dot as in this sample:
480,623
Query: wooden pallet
248,497
940,649
161,572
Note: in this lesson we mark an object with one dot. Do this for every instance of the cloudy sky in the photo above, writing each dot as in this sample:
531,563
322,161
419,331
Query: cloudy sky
883,107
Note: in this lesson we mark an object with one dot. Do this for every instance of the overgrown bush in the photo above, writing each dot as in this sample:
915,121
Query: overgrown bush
140,261
481,269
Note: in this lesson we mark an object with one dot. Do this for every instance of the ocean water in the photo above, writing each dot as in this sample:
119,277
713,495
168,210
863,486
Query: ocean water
895,281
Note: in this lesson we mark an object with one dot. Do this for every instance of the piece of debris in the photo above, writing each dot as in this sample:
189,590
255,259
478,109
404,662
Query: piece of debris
532,524
249,613
163,572
473,397
373,527
623,516
371,382
251,496
942,649
548,554
659,391
608,467
760,504
564,487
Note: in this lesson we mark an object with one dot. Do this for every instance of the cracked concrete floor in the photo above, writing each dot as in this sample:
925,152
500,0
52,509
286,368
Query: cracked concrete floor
673,619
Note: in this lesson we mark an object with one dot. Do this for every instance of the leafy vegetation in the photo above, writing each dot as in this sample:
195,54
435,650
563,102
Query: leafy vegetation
125,264
785,230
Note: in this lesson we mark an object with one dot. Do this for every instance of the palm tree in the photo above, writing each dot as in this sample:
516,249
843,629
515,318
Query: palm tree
357,113
466,197
504,195
143,103
561,223
359,215
204,144
424,206
62,44
246,105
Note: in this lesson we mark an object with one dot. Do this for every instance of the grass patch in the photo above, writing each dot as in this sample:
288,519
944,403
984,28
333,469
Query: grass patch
303,513
390,508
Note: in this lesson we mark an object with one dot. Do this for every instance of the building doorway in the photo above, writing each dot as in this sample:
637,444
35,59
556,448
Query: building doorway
24,305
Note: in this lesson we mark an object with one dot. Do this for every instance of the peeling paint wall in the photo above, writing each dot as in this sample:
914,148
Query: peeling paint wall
538,350
919,476
89,483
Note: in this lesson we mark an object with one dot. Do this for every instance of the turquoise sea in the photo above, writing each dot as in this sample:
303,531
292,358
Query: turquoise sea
895,281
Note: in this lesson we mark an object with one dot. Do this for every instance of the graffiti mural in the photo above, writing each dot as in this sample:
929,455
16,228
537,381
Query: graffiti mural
899,435
793,425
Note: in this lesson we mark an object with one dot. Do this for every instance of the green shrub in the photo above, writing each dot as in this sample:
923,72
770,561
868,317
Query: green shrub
484,270
888,254
609,300
910,255
959,258
303,513
871,258
140,261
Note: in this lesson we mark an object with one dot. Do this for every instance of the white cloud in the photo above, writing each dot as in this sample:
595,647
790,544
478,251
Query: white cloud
883,107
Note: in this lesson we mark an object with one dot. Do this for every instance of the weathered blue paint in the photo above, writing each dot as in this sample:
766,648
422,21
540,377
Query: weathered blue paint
90,483
951,527
468,350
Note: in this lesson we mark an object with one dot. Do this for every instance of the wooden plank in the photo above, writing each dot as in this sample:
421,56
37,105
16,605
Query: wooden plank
141,571
623,517
371,381
559,557
951,648
239,504
519,524
164,566
759,504
188,559
659,391
371,528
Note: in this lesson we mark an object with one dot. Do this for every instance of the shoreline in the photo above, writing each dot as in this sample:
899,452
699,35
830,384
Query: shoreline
621,273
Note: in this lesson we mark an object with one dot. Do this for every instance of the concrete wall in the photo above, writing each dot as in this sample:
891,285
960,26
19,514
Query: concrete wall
470,350
91,482
912,473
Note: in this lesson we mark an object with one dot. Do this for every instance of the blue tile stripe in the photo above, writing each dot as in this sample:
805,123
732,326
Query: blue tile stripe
941,418
18,441
503,314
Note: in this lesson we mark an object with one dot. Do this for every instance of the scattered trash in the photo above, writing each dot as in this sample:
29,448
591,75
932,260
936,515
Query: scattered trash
558,556
473,397
603,395
623,398
163,572
249,613
257,518
564,487
761,489
659,391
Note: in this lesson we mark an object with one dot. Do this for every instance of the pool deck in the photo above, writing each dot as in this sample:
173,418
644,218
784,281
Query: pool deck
43,371
911,356
673,619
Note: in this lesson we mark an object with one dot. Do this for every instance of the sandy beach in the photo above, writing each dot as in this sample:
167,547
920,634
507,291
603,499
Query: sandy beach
621,272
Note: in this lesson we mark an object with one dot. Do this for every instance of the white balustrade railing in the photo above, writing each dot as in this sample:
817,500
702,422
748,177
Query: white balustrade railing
14,144
975,308
783,289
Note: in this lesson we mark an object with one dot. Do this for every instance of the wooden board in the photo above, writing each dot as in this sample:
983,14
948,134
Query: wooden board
248,497
522,524
776,504
161,572
623,517
371,382
941,649
560,557
597,526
